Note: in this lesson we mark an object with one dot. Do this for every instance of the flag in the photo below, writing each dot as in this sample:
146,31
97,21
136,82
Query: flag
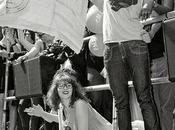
64,19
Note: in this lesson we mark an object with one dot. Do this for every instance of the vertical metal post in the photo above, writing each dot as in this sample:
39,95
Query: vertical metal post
5,90
5,96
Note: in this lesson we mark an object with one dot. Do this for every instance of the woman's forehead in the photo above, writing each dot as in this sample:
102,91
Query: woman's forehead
63,80
63,76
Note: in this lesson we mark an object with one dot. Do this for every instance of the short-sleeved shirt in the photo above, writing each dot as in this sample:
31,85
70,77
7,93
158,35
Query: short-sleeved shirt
124,24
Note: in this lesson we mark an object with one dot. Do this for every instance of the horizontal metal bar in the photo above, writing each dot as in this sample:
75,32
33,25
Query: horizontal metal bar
107,87
159,18
10,98
130,84
154,20
97,88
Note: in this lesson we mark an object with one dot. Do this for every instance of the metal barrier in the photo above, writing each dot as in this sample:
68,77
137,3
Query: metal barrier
107,87
159,18
130,84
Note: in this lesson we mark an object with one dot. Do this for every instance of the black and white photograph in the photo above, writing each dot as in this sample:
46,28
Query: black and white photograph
87,64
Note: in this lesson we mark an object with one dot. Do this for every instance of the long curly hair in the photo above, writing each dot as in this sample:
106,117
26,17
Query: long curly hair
70,76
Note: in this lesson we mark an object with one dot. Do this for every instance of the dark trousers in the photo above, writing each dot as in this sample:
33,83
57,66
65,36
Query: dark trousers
164,93
123,60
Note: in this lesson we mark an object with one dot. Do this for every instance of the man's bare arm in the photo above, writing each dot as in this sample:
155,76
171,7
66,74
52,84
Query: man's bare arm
146,9
166,6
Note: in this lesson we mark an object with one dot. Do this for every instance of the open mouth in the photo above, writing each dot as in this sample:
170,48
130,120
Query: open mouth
65,92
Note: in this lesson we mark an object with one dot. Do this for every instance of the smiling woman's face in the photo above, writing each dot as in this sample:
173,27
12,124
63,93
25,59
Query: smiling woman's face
64,90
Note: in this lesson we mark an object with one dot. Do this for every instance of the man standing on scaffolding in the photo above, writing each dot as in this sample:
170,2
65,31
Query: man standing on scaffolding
126,54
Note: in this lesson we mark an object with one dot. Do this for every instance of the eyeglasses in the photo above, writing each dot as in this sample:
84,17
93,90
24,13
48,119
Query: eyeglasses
67,85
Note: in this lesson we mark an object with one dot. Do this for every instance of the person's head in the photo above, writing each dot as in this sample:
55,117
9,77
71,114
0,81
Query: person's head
45,37
29,35
64,86
10,34
7,31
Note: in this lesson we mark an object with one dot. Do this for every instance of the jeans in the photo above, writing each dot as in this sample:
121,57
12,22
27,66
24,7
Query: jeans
159,67
164,93
123,61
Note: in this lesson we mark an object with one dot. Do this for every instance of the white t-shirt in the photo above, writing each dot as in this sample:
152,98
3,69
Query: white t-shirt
123,25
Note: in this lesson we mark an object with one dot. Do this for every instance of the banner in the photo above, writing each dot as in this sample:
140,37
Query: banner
64,19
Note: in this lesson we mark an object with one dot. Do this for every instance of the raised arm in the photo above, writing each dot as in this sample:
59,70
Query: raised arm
35,50
32,53
39,112
166,6
81,113
154,27
27,45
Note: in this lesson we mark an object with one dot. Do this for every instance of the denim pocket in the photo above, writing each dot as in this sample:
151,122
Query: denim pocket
107,53
111,50
138,47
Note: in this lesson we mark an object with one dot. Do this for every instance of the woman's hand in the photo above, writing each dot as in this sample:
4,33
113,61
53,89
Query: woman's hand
39,112
23,41
34,111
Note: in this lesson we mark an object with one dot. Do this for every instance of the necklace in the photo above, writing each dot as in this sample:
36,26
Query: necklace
67,122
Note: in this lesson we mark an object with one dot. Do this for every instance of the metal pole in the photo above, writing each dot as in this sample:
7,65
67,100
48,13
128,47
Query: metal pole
154,81
5,89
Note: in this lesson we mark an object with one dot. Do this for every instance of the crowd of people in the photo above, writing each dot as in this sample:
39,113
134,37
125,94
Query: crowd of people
123,50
